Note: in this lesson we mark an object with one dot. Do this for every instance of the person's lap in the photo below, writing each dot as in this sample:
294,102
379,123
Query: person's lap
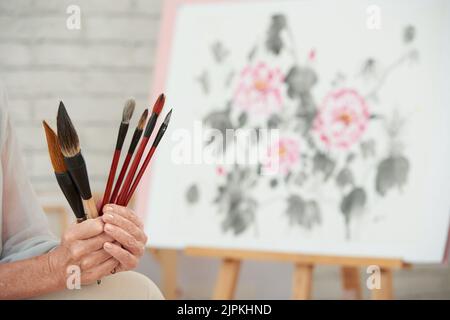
121,286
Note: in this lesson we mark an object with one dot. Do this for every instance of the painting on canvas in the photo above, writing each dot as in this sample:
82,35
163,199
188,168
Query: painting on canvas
304,126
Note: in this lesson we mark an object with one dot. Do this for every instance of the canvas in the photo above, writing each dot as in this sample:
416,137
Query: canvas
350,109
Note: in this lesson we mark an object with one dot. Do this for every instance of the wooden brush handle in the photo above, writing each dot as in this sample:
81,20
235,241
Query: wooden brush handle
91,208
119,181
138,177
112,175
130,176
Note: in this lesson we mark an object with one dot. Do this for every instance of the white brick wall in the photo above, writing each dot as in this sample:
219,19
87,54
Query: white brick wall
94,70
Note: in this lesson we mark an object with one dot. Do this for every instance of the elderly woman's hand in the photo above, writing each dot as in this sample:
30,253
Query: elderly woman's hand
82,246
126,229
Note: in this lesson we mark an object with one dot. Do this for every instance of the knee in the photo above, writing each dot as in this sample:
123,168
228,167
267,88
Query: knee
121,286
139,285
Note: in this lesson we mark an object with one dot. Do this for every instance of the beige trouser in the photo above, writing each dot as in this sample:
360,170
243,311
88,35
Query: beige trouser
121,286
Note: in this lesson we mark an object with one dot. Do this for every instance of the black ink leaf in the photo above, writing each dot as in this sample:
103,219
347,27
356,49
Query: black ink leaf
353,205
368,148
312,214
304,120
273,183
369,67
279,22
301,212
323,163
243,117
220,53
409,33
300,80
350,157
221,121
274,42
295,208
240,215
274,121
392,172
259,169
203,80
252,53
192,194
233,200
344,178
220,194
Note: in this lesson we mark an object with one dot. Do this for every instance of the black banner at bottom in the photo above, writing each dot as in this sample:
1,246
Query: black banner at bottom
245,309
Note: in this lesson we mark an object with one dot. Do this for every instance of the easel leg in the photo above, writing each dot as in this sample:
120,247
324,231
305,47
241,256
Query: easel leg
351,283
168,261
302,282
227,279
386,286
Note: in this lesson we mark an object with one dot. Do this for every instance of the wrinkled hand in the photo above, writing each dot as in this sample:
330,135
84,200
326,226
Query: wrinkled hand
122,225
82,245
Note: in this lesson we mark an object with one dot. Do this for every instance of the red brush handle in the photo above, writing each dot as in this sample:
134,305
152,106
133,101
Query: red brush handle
112,175
129,179
140,174
122,173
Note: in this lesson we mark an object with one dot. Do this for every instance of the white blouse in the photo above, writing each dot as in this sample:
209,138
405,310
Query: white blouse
24,230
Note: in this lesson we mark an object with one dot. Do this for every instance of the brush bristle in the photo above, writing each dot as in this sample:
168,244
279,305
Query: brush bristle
167,118
142,120
56,156
67,135
159,104
128,110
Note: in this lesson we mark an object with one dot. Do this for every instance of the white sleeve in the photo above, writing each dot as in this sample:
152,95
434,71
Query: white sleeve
24,227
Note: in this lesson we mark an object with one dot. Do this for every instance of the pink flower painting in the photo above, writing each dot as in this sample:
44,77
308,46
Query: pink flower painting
342,118
259,89
323,145
283,155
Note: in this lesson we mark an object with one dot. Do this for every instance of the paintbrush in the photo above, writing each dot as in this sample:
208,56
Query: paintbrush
144,166
123,129
70,148
62,175
159,104
134,142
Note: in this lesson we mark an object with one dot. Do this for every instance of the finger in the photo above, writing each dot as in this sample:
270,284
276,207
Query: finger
125,224
94,259
84,230
83,247
98,272
125,213
125,239
126,259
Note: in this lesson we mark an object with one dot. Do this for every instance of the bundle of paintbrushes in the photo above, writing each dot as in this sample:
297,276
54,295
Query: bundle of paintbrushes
71,170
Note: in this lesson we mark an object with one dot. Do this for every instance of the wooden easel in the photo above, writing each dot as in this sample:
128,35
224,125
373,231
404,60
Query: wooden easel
167,258
303,271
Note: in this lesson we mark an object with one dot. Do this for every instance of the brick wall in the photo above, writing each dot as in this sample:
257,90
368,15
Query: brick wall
93,70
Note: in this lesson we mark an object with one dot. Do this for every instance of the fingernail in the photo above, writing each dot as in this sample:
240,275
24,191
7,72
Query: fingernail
107,208
109,216
108,227
108,245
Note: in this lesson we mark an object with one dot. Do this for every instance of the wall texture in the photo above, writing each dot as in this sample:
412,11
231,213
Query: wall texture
94,70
